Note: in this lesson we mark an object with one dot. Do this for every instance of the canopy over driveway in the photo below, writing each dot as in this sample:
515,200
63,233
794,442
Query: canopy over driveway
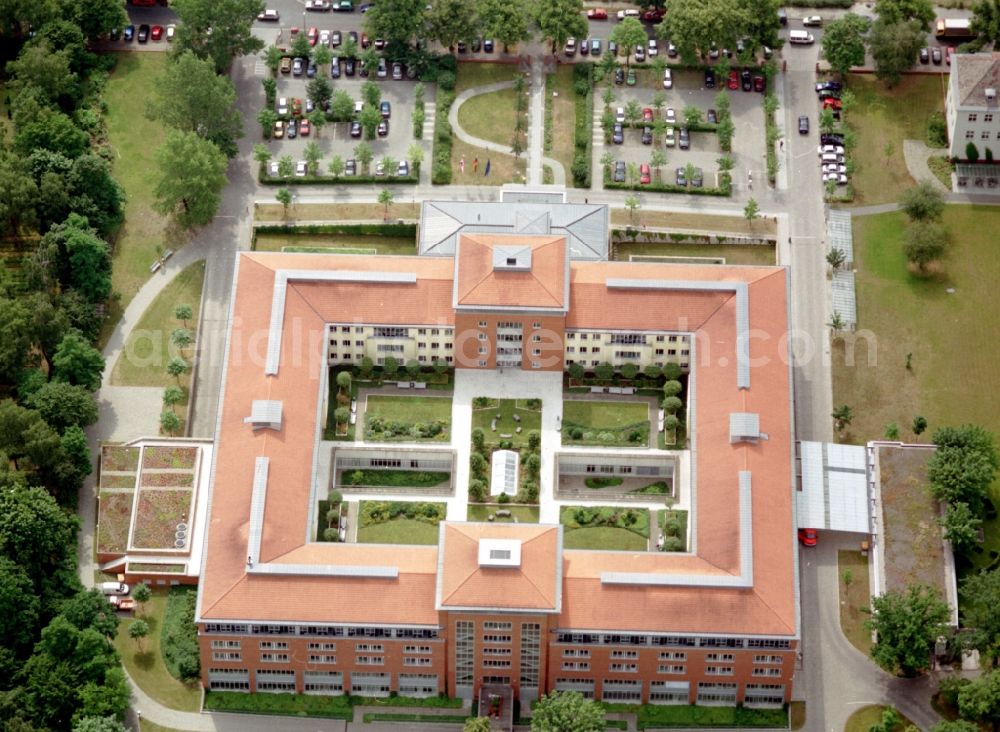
832,491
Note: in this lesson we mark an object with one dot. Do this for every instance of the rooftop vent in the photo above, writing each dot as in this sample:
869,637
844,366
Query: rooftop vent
264,414
512,259
499,553
744,427
991,94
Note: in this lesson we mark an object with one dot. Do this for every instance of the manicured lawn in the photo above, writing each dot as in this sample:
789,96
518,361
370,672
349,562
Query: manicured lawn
274,213
598,534
656,715
531,420
563,116
605,423
399,531
144,359
146,666
733,254
604,537
299,705
135,140
490,117
332,242
952,336
504,168
887,117
690,221
867,717
523,514
471,75
408,409
854,599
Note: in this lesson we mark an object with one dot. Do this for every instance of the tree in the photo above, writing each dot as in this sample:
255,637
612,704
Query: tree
322,55
925,243
632,204
183,313
272,57
79,257
99,724
604,371
138,630
836,258
191,97
980,699
177,366
389,166
672,387
97,17
45,70
958,725
505,20
312,154
364,154
284,197
192,176
980,597
54,131
412,368
560,20
842,416
560,711
369,119
986,21
961,527
672,404
891,431
319,90
217,29
181,337
341,106
172,396
694,25
923,202
476,724
963,466
751,211
692,116
286,166
906,624
19,606
35,532
395,20
141,594
344,381
169,422
451,21
77,362
317,118
301,47
385,197
971,152
64,405
894,46
18,193
415,154
628,34
336,166
919,425
901,11
658,159
844,42
266,118
847,577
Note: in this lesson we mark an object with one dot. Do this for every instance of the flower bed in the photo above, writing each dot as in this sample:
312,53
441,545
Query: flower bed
113,521
168,480
119,457
378,512
584,517
169,457
158,514
118,480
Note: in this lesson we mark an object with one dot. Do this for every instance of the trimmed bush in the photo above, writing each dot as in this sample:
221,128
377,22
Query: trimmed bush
583,138
179,637
396,230
325,180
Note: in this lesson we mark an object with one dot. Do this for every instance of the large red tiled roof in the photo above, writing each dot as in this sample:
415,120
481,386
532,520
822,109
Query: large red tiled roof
479,284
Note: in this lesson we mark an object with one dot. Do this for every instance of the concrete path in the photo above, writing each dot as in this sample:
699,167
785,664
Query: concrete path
536,122
915,153
464,136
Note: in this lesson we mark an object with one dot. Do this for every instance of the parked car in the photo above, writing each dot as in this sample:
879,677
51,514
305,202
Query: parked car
128,34
758,84
597,14
812,21
831,138
803,125
746,79
619,114
379,168
281,106
834,168
114,34
832,104
684,139
298,66
668,79
353,36
829,86
476,44
647,114
828,94
644,174
619,72
936,55
654,15
925,55
386,109
679,178
619,174
585,47
335,68
713,118
647,135
630,78
171,32
670,137
366,42
462,48
382,70
293,130
948,53
301,168
114,588
324,37
651,48
311,69
618,136
808,537
839,178
286,65
143,33
310,105
403,168
733,82
595,47
709,79
156,33
628,13
272,168
335,39
612,48
269,15
383,128
672,51
279,129
487,45
828,149
349,67
397,71
671,116
570,48
697,178
379,44
318,5
304,128
355,129
313,35
296,107
350,167
640,53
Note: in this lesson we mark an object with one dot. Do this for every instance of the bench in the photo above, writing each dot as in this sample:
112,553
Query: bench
419,384
166,255
403,384
503,513
597,390
155,265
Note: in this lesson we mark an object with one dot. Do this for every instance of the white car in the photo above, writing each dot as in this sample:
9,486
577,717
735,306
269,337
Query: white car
301,168
620,115
824,149
668,79
269,14
652,50
834,168
671,116
272,168
629,13
318,5
171,32
812,20
831,158
670,137
379,168
324,38
282,105
839,178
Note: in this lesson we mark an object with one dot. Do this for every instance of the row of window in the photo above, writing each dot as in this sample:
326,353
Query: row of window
676,692
984,135
987,117
361,329
348,631
323,682
623,337
625,639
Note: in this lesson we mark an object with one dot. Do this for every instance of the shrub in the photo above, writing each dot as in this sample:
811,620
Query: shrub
503,498
672,371
652,371
331,534
604,371
478,438
673,544
576,371
672,527
672,388
341,415
672,404
335,498
534,440
630,370
179,637
576,433
671,422
937,130
446,80
333,516
477,490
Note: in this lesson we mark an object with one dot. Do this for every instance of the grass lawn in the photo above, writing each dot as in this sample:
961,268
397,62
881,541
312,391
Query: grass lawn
146,726
563,116
299,705
691,221
399,531
490,117
471,75
867,717
621,420
274,213
146,666
854,599
135,140
951,336
732,254
611,537
333,242
531,420
504,168
523,514
651,716
884,117
409,409
148,348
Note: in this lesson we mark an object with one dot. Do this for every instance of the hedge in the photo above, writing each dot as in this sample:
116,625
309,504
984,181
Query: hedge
179,636
819,3
724,190
399,230
325,180
583,137
441,155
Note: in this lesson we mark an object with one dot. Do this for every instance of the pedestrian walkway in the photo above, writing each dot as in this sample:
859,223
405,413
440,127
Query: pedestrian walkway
536,121
464,136
915,153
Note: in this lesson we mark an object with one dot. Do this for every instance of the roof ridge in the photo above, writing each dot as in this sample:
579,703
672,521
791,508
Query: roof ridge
218,601
555,299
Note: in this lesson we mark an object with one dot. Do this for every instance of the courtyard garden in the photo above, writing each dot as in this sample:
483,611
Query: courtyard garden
399,522
605,527
330,516
393,478
608,423
530,458
673,528
503,513
508,420
405,418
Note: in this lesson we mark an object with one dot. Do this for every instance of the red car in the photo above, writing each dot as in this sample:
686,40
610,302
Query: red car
156,32
831,104
312,34
644,174
947,54
647,115
654,15
734,81
758,84
597,14
304,128
808,537
365,40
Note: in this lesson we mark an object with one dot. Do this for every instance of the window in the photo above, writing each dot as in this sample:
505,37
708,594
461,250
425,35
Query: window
275,680
492,625
531,639
465,647
584,686
659,351
435,344
576,653
583,349
369,660
496,680
624,654
274,645
482,323
387,332
417,661
437,331
970,134
416,649
621,690
669,692
721,642
769,643
370,684
482,350
719,670
322,646
710,692
576,666
482,336
419,685
669,668
372,647
626,668
984,135
345,329
571,336
359,344
274,657
321,658
769,659
225,644
345,343
422,344
482,364
988,117
536,338
730,657
227,656
228,679
536,324
323,682
570,349
496,639
767,672
973,116
495,663
627,339
583,336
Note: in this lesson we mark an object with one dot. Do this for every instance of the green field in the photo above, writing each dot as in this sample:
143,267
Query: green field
135,139
489,117
524,514
408,409
762,254
951,336
605,423
854,599
885,117
399,531
619,536
144,359
531,420
563,104
866,718
392,245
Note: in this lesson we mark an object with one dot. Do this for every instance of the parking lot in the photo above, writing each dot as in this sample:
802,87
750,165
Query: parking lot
688,89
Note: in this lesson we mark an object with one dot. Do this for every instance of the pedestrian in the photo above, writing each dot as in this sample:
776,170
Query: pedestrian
781,144
475,165
461,165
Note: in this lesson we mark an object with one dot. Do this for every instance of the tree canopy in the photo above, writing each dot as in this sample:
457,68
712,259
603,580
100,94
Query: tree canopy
564,711
695,25
963,466
395,20
906,626
451,21
192,176
980,595
923,202
560,20
896,11
894,46
844,42
507,21
218,30
986,20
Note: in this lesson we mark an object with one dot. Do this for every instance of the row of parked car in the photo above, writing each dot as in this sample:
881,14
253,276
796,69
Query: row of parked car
833,164
295,126
146,33
350,168
697,179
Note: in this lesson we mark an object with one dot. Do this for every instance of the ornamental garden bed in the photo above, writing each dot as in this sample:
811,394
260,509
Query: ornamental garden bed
113,521
509,420
673,528
154,479
169,457
503,513
605,423
118,480
393,478
399,522
406,418
157,516
119,457
605,527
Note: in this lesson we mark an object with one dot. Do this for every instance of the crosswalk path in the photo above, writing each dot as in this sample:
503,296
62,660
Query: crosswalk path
429,112
259,67
598,131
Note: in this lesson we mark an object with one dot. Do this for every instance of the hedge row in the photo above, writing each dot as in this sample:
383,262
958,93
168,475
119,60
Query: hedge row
325,180
397,230
819,3
725,189
583,137
441,155
179,635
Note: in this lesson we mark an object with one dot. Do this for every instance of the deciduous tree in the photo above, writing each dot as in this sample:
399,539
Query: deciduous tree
961,527
980,699
63,405
192,176
986,20
628,34
97,17
906,626
560,20
844,42
980,596
217,29
396,20
560,711
894,45
896,11
451,21
923,202
507,21
77,362
694,25
925,243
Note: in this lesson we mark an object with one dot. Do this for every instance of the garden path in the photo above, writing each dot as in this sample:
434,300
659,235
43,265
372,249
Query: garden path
915,153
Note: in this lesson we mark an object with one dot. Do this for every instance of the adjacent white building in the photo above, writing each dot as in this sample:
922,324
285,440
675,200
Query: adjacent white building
973,114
